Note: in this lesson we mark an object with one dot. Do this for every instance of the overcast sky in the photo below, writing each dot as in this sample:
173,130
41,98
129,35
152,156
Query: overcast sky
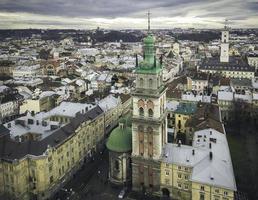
116,14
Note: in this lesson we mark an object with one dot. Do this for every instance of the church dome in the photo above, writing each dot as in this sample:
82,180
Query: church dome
120,139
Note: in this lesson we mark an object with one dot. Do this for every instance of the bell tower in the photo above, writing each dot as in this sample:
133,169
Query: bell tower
149,120
224,48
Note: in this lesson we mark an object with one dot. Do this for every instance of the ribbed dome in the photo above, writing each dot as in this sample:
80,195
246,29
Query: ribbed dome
120,139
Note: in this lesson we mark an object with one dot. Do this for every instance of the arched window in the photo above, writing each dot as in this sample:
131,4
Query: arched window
117,165
150,112
150,83
141,103
150,104
141,82
141,111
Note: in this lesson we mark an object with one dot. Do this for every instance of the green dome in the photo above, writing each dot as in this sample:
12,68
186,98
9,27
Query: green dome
120,140
149,40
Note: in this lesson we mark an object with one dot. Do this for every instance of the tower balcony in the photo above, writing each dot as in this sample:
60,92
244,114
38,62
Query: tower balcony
148,92
152,120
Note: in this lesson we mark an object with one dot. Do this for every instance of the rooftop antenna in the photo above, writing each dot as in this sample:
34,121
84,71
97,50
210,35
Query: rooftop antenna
148,21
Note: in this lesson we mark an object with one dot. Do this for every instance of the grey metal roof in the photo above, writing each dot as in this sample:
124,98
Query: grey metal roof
235,64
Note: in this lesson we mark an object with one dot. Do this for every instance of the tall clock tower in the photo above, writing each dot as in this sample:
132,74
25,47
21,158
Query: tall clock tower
224,46
149,120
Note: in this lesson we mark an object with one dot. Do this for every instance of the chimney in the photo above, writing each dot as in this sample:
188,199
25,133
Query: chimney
211,155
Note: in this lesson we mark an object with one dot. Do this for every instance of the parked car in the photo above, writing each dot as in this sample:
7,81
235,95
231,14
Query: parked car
121,194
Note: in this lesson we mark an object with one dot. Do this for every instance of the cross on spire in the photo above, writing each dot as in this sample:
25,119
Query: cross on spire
148,21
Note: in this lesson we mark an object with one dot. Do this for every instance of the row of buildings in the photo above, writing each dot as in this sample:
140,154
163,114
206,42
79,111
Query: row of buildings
41,151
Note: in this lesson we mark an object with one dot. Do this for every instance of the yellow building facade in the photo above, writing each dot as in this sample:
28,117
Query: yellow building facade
43,173
201,171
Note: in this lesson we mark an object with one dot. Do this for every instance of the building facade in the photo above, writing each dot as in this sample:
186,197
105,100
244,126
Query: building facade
36,169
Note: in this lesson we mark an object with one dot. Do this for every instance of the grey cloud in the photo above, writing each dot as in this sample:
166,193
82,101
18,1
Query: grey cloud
111,9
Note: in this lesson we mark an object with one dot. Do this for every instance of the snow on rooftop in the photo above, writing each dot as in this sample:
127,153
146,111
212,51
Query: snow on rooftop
108,103
189,96
32,125
68,109
80,82
215,169
3,87
172,105
255,96
28,68
226,93
46,94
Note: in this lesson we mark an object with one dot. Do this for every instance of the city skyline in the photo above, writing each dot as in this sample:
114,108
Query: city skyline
114,14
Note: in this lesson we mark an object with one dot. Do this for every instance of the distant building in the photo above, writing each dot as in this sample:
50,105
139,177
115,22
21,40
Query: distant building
42,103
231,67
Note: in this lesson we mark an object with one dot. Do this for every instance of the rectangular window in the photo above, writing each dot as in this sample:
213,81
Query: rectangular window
202,197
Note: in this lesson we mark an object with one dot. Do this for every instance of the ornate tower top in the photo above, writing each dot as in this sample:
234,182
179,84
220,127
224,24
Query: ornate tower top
150,63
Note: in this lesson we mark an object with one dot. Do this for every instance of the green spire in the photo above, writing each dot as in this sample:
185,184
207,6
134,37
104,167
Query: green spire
149,65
